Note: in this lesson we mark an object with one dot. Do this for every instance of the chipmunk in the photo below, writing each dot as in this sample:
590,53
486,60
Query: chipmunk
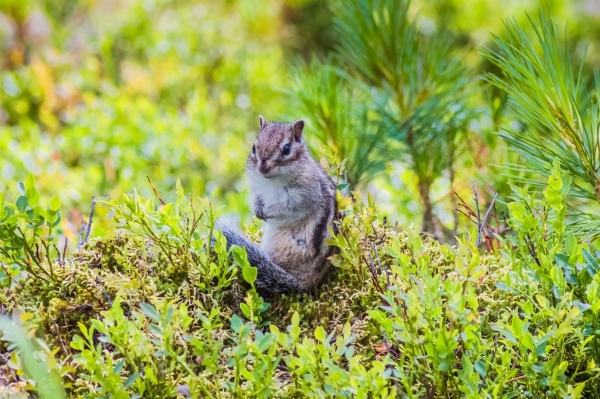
295,197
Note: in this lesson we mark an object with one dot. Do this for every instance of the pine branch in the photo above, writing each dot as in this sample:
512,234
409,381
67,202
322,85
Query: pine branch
336,105
560,119
419,86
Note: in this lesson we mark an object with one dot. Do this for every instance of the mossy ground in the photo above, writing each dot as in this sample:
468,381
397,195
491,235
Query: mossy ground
133,269
401,314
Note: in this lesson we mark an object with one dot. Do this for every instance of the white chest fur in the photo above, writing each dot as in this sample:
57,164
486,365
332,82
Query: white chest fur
271,191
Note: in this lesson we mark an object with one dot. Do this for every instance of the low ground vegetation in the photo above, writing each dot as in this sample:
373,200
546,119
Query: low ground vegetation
154,312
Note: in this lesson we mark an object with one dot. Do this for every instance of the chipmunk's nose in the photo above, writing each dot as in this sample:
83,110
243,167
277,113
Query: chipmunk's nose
265,166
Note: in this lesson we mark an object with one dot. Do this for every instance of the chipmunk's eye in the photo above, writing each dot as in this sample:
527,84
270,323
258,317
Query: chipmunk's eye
254,149
286,150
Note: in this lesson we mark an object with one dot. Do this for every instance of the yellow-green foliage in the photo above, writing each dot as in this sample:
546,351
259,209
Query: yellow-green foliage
153,312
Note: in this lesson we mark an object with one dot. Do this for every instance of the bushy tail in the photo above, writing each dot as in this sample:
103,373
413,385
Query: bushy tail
270,276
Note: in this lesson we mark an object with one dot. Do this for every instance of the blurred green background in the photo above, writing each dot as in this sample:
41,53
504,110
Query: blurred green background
98,95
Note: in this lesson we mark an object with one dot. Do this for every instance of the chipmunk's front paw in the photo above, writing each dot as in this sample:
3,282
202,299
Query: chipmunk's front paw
259,209
260,213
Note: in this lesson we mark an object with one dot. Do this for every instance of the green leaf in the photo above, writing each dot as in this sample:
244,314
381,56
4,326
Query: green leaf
77,343
592,291
591,264
563,262
507,334
265,342
480,368
150,311
29,182
55,203
21,203
566,188
33,196
179,189
166,210
582,306
320,334
31,214
530,222
540,348
119,366
527,341
517,211
502,286
240,257
35,361
295,319
250,274
570,244
245,310
343,186
236,323
131,379
56,220
82,328
578,390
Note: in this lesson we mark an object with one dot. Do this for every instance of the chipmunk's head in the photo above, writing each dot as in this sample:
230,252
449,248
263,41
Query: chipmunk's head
277,148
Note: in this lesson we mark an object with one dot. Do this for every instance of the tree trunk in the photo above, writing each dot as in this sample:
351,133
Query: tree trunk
428,225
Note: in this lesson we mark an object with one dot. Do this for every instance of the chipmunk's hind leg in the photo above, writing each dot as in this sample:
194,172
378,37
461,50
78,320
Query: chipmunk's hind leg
270,277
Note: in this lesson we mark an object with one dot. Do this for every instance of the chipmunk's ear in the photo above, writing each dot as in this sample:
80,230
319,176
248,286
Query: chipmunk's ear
298,128
263,122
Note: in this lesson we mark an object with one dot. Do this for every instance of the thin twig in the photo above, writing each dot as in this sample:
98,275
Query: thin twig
532,251
65,249
87,227
495,350
387,274
468,212
8,274
29,256
60,341
37,252
520,377
476,198
155,192
485,218
373,273
81,233
469,216
60,261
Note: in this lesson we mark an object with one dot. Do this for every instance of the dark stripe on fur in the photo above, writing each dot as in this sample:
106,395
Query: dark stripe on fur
321,229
